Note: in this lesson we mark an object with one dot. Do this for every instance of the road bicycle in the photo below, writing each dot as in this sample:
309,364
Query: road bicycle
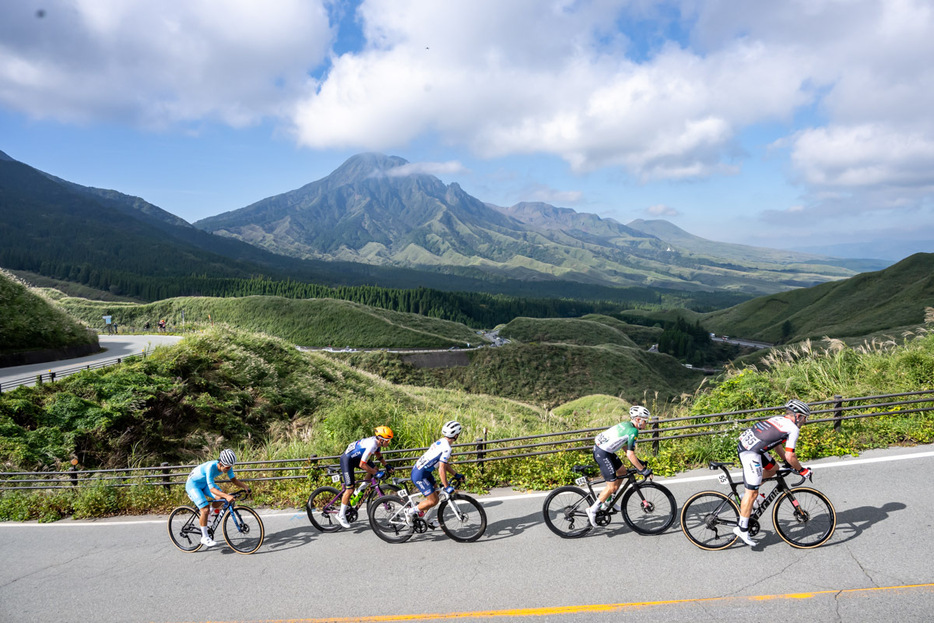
803,517
324,503
647,507
460,516
243,529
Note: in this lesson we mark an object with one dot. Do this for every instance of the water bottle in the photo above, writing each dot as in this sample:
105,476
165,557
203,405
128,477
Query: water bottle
357,494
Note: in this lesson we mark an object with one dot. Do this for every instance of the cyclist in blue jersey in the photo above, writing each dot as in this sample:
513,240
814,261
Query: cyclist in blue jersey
438,453
204,492
357,455
753,449
607,444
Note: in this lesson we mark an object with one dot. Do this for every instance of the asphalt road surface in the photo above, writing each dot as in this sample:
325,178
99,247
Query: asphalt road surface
877,566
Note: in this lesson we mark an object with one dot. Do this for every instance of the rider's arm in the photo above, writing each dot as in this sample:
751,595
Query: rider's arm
631,455
788,455
446,469
240,484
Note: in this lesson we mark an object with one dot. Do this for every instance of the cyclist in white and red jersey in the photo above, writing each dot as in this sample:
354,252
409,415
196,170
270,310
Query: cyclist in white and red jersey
438,453
779,432
357,455
607,444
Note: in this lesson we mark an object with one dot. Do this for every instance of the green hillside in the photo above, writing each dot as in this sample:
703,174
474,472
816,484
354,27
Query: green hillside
304,322
864,304
580,331
29,322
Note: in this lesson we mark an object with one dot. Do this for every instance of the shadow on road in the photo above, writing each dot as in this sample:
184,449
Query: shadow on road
511,527
852,522
286,539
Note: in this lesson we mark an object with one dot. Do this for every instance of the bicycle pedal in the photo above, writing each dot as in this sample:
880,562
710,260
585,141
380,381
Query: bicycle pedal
431,526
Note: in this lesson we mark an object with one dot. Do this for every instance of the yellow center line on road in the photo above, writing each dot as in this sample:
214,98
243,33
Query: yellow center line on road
584,609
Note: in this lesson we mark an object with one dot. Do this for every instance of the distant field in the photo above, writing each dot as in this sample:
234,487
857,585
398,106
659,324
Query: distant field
304,322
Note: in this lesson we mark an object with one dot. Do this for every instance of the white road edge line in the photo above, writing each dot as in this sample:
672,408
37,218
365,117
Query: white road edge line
506,498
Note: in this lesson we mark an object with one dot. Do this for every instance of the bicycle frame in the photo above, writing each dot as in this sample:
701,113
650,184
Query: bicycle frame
370,490
780,487
629,480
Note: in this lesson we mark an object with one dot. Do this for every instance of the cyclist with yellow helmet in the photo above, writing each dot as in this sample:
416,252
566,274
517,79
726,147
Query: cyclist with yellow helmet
358,455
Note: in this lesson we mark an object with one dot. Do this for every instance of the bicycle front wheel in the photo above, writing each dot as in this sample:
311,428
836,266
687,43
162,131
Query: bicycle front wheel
804,517
649,508
243,529
462,518
708,519
565,511
184,529
388,520
322,507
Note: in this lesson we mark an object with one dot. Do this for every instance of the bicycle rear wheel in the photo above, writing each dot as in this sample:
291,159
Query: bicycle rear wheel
388,521
386,489
243,529
462,518
808,523
322,508
649,508
708,519
184,529
565,511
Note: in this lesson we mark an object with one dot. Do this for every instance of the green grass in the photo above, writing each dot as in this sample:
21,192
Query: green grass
29,321
305,322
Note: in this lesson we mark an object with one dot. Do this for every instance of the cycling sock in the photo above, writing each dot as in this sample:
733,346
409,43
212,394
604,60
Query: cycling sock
204,531
344,508
744,523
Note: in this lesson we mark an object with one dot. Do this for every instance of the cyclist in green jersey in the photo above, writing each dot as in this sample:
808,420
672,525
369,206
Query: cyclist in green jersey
607,444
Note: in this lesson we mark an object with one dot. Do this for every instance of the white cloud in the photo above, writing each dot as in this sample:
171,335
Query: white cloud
427,168
158,63
661,210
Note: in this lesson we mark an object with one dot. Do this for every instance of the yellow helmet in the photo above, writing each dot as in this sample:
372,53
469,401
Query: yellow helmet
384,431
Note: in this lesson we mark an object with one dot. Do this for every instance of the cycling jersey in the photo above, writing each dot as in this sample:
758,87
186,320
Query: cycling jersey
201,480
362,449
439,452
614,438
769,433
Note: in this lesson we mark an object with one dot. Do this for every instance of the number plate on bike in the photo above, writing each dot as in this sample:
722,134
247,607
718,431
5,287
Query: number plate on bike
723,479
580,482
402,493
336,478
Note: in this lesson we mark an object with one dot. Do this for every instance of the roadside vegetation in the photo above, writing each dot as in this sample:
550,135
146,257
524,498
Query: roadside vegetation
261,396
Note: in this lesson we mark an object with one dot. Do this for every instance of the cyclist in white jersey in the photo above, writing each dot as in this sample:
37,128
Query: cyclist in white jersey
438,453
607,444
779,432
357,455
204,492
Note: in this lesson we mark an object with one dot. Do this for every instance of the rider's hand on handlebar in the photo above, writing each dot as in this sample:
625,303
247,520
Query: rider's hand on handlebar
449,489
805,472
646,471
380,474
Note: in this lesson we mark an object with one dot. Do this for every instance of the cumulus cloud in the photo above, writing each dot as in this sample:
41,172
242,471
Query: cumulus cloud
426,168
155,64
662,210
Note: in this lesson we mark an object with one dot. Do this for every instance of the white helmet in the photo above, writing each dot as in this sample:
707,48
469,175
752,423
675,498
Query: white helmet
451,429
638,411
798,407
228,457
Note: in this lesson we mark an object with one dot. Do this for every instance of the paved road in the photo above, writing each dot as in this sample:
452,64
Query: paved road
876,567
113,345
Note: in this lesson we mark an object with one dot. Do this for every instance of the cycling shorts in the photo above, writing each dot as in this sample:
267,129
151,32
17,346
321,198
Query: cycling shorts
754,463
201,496
424,480
608,462
348,465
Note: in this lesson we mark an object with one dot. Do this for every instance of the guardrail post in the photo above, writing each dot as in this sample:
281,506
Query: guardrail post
655,437
39,379
51,377
165,475
481,447
837,412
73,472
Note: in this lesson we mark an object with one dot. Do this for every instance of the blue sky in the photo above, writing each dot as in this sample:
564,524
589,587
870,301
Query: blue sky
782,124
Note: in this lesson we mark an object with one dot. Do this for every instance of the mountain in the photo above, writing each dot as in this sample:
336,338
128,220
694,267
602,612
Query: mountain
867,303
376,209
892,250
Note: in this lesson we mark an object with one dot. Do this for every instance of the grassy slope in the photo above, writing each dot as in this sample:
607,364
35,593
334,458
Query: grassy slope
580,331
866,303
30,322
305,322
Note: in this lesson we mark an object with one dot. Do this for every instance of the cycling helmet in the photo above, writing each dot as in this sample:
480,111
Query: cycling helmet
451,429
383,431
637,411
227,457
798,407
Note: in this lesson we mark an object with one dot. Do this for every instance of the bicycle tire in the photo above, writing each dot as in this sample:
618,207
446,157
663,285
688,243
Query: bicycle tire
322,508
246,535
565,511
185,529
386,489
467,523
807,524
649,508
708,519
387,520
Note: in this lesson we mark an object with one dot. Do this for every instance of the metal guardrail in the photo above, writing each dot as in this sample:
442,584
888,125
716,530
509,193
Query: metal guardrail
482,451
52,376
